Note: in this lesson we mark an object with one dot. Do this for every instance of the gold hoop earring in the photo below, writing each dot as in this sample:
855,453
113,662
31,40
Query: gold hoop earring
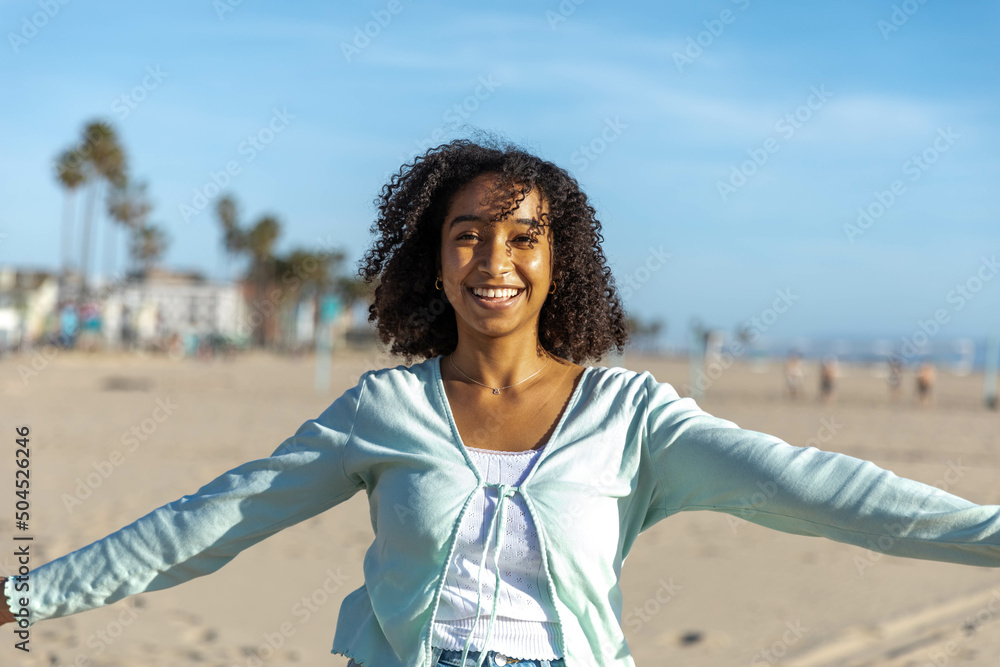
438,284
552,290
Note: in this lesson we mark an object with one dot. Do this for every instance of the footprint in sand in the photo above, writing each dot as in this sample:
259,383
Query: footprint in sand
193,628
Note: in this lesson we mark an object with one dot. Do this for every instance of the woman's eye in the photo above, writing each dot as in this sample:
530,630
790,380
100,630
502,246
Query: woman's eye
523,238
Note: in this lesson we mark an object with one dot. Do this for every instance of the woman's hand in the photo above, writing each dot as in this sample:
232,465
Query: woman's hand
5,615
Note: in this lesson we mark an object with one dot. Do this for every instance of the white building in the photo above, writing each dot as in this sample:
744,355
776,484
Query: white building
158,304
27,298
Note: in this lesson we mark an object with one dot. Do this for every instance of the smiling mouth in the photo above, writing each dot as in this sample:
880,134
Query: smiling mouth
495,295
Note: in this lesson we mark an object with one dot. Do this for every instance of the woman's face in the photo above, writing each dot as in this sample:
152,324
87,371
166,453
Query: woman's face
513,255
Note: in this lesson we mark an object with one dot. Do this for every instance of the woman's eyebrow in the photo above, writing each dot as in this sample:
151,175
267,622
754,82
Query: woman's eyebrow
464,218
468,217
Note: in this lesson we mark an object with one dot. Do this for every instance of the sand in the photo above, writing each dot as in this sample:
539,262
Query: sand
701,589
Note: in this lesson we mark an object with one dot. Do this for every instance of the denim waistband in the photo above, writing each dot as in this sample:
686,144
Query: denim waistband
452,658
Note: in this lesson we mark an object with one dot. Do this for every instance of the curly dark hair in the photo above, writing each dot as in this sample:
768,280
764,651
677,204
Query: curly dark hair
582,320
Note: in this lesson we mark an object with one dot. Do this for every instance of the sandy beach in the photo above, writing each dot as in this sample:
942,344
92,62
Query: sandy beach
701,589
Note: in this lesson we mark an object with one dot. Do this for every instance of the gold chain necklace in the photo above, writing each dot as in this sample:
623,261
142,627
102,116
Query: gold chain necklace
496,390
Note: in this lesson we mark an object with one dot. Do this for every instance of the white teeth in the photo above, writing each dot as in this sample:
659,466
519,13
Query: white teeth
505,293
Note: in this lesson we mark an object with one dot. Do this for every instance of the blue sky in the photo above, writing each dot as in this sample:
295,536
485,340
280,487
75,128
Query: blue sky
739,138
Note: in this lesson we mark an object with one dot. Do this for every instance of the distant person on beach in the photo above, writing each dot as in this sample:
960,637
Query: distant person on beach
794,377
127,330
926,375
895,377
68,325
828,373
506,481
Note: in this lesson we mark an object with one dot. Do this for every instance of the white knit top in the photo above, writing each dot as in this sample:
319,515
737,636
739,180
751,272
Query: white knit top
525,625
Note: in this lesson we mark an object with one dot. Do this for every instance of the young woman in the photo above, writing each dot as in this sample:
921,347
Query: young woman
507,483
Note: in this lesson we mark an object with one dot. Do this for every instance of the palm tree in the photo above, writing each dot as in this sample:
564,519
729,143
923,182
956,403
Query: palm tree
351,290
644,333
70,174
260,244
259,241
129,206
293,279
110,164
118,185
104,160
234,240
149,242
316,272
320,278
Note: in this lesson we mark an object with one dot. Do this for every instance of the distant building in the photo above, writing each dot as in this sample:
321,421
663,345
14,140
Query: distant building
27,302
152,306
157,308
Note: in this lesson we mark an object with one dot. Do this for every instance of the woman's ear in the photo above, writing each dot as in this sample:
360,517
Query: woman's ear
438,276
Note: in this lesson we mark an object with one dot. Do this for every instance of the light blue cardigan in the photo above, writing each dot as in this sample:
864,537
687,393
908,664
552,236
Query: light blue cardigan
626,453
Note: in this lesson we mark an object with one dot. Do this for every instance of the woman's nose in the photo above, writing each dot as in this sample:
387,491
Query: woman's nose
495,259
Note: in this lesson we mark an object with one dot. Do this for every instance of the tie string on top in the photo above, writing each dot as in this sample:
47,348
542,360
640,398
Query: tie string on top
504,492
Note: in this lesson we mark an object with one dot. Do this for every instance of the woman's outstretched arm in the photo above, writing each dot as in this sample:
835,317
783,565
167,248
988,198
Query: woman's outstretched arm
199,533
703,462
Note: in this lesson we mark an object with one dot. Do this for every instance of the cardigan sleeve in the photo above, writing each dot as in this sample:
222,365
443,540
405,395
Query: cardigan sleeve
702,462
199,533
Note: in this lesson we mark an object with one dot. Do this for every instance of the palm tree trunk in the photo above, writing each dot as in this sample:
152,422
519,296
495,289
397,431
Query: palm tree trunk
123,246
132,259
110,239
88,218
262,329
67,231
